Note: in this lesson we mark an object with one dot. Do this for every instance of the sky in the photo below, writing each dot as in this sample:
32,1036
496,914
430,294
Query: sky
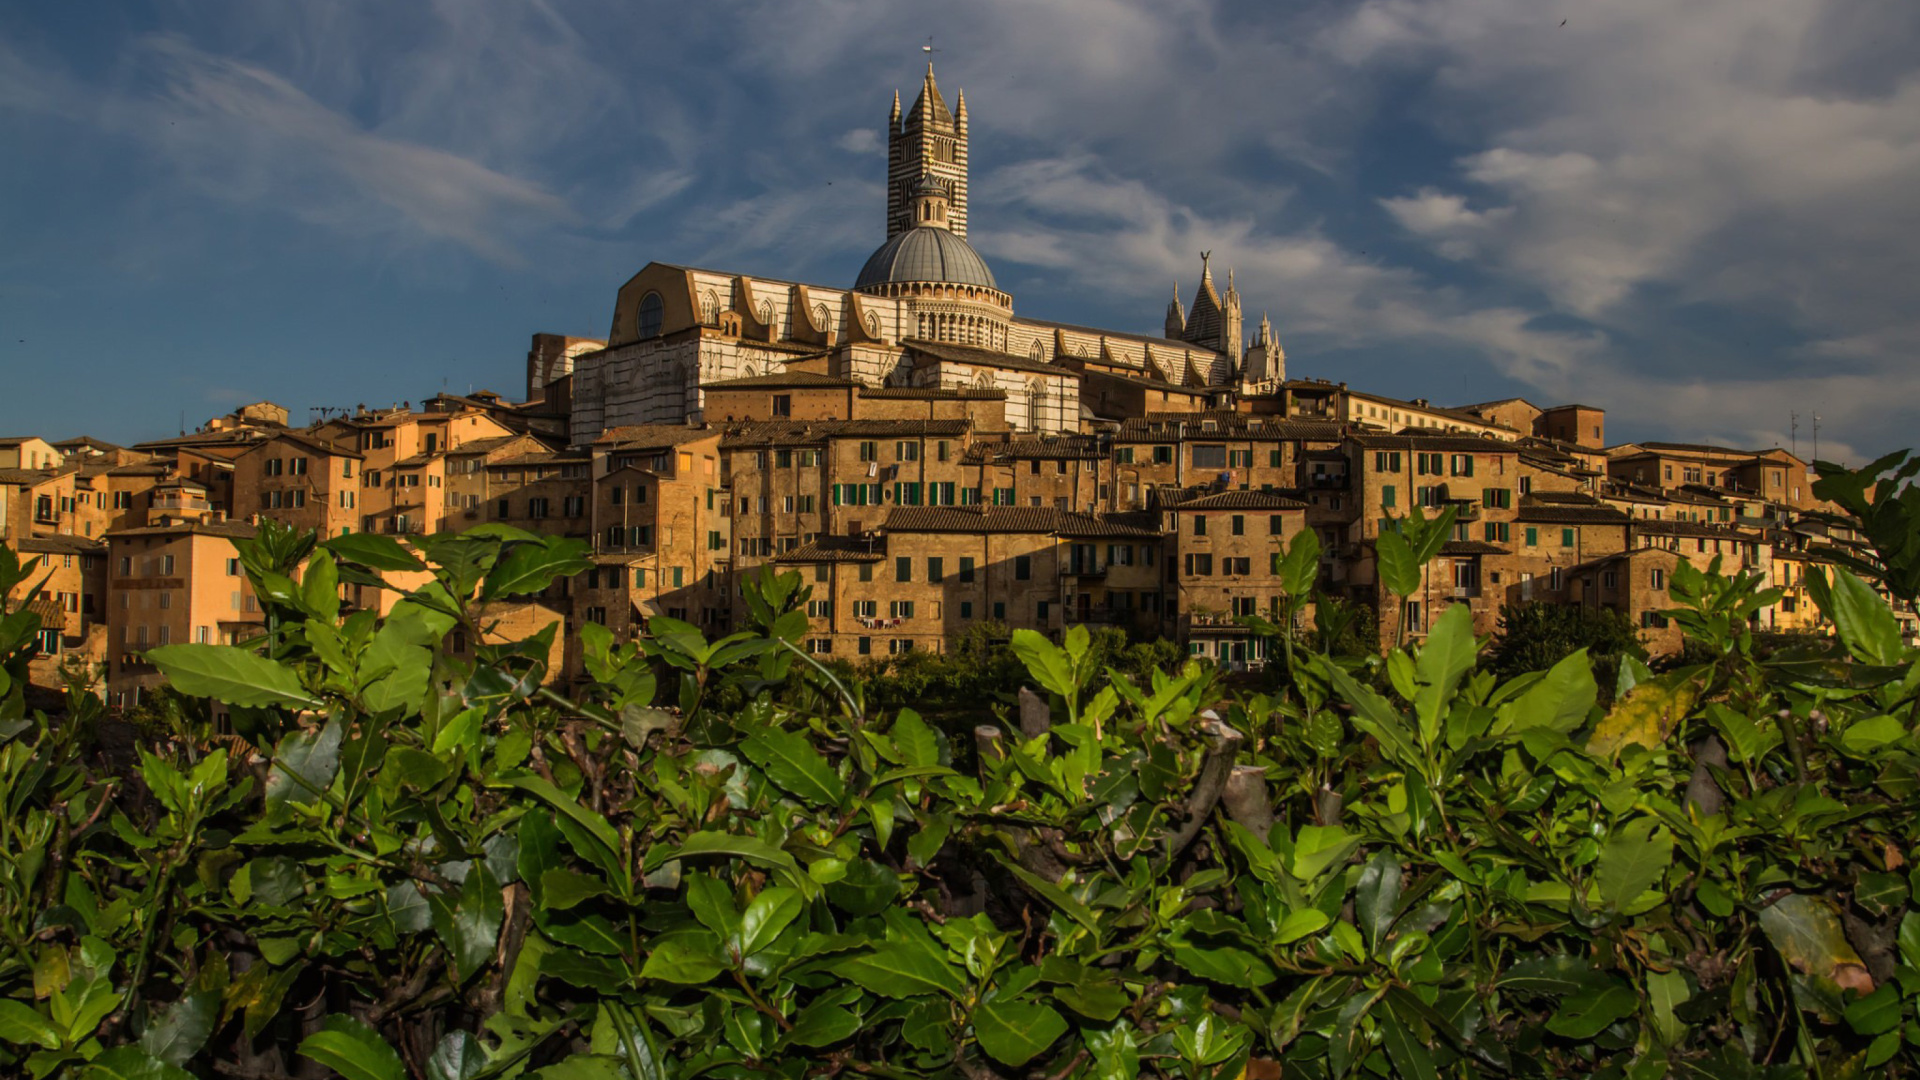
1702,217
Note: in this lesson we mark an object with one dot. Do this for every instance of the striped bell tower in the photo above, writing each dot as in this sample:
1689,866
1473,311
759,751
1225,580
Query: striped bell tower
927,140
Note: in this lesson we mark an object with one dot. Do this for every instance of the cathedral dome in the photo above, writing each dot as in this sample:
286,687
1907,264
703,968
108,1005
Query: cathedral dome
926,254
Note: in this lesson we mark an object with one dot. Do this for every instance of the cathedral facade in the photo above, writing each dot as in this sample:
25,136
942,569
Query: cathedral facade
925,312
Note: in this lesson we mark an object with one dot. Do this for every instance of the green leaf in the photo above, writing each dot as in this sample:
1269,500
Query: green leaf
901,971
754,851
1632,861
1559,701
230,674
530,567
179,1033
583,816
1447,654
22,1026
689,959
563,889
766,916
822,1024
132,1063
1299,924
585,970
1593,1010
1376,897
1807,931
1881,894
458,1057
354,1050
1666,992
1015,1032
1399,569
374,551
917,744
1550,976
1410,1057
1863,737
790,761
304,765
1877,1012
1865,622
1046,662
469,924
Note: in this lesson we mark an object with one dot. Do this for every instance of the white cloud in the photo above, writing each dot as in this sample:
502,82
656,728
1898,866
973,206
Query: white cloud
860,141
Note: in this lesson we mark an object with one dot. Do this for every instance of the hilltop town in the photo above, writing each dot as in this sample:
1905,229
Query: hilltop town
926,459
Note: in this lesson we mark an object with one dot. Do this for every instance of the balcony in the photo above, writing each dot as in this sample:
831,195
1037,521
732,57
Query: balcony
1087,571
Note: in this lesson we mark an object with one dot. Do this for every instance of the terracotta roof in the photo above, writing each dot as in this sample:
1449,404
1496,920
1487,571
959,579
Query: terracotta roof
201,528
1151,339
1061,448
931,393
1645,526
837,549
310,443
1471,547
1150,381
651,436
87,441
968,354
1463,444
62,544
786,380
1561,514
814,432
1165,427
1238,500
29,476
1008,519
484,446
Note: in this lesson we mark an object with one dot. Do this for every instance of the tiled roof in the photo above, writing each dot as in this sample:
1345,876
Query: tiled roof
1471,547
1009,519
931,393
1153,383
815,432
28,476
968,354
1691,528
308,442
1588,513
60,545
784,380
483,446
1062,448
201,528
1239,500
651,436
1151,339
837,549
1166,427
1461,444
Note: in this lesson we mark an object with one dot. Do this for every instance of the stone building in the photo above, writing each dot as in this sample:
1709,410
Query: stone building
172,584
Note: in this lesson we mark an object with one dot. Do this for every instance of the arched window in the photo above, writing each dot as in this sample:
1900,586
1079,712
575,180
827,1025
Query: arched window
1036,403
710,309
652,310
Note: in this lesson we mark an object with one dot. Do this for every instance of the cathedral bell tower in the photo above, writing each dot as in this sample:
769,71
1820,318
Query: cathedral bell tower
927,140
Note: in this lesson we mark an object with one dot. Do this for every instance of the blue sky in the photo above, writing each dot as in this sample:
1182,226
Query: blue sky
1700,216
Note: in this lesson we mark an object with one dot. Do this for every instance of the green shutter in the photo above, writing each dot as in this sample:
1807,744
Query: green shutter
1386,495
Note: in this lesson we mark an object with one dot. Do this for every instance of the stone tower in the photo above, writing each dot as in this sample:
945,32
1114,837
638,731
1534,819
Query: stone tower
1176,315
1266,366
1215,322
927,141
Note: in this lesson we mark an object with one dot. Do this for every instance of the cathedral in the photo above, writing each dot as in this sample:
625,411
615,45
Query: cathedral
924,314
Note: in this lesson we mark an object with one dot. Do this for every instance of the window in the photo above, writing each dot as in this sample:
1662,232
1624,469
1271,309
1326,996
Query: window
869,451
679,576
1556,579
1387,461
1003,496
1566,538
783,404
866,571
1427,464
537,508
502,509
1387,495
166,566
900,645
1199,565
900,609
576,506
865,609
966,609
1462,464
1163,455
865,646
966,569
1497,498
1533,536
903,569
1657,578
1239,525
1526,485
1199,524
906,451
1022,568
1123,455
936,572
999,611
1041,611
820,646
650,314
820,609
1240,566
1412,618
1497,532
1209,457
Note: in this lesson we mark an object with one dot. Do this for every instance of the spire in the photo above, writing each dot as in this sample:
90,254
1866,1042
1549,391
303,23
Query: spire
1206,268
960,111
893,121
1176,315
930,105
